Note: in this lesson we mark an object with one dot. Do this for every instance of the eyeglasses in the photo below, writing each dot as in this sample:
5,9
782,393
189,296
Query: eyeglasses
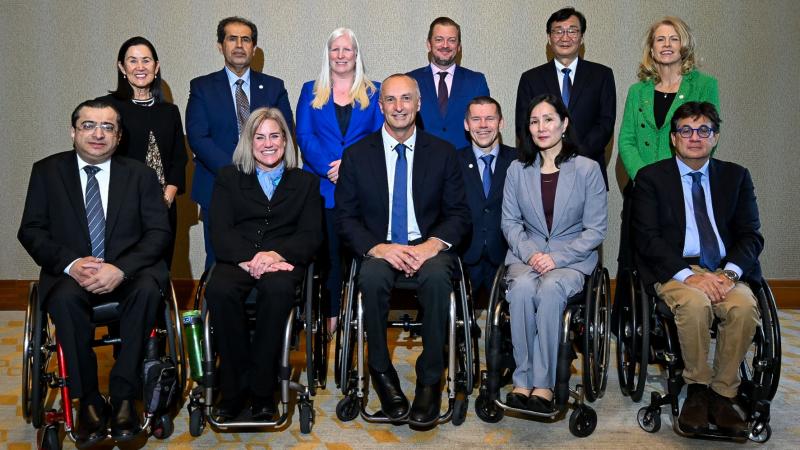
89,126
703,131
571,32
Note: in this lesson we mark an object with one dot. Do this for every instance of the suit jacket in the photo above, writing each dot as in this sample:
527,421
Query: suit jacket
640,142
580,214
592,104
244,221
212,128
485,211
362,193
320,138
659,219
55,232
467,85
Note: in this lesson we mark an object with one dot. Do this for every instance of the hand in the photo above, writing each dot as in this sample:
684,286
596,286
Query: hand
84,268
169,194
425,251
542,262
278,266
258,265
333,173
105,280
711,285
398,256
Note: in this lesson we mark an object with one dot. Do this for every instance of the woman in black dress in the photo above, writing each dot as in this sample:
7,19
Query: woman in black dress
152,131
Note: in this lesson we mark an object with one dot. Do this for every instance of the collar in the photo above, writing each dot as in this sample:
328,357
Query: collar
232,77
684,170
103,166
479,152
572,66
450,70
389,142
273,175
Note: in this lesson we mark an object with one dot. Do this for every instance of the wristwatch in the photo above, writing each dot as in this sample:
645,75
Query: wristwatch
731,275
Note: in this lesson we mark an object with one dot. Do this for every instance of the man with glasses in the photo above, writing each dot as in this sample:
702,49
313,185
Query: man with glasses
586,88
97,225
696,236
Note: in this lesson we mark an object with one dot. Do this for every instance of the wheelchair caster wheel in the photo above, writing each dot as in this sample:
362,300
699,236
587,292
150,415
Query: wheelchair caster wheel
306,417
460,410
51,440
649,419
761,432
487,410
347,409
582,421
197,422
163,427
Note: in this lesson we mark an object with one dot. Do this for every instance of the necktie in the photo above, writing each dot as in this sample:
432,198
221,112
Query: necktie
487,173
709,248
242,105
94,213
566,86
443,96
399,206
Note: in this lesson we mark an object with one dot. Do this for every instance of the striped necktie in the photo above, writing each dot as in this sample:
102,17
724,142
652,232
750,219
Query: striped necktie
242,105
94,213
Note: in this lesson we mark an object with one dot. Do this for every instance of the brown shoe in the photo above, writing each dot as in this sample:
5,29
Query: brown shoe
722,414
694,414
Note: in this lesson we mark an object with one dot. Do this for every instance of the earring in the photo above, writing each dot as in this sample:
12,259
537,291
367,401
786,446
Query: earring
124,76
563,135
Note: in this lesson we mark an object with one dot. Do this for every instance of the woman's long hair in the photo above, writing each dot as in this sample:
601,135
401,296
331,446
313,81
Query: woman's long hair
124,90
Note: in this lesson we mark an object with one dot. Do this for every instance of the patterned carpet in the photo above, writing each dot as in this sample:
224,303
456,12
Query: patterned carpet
617,427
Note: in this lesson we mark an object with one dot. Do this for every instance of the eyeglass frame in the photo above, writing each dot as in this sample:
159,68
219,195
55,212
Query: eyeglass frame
90,125
704,128
571,32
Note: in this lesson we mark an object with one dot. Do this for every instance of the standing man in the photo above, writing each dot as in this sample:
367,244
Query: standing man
446,87
219,104
696,235
586,88
483,168
97,225
400,201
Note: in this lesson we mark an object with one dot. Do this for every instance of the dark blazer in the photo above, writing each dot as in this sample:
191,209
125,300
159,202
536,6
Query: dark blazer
244,221
54,230
659,219
467,85
362,193
212,128
485,212
592,104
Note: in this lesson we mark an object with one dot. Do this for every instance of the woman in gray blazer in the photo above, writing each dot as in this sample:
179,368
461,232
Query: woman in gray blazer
555,212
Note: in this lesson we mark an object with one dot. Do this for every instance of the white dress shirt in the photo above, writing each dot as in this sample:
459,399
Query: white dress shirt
448,79
573,66
233,78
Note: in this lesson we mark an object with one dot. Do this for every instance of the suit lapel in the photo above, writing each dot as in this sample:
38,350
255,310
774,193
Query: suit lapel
646,104
581,79
473,169
504,159
428,89
377,166
251,189
72,187
564,188
421,157
551,79
226,98
674,187
257,93
533,184
119,181
715,183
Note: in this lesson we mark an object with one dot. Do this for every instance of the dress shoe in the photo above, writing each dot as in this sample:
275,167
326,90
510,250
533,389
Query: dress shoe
426,405
228,408
124,420
92,423
394,403
540,405
517,400
722,414
263,408
694,413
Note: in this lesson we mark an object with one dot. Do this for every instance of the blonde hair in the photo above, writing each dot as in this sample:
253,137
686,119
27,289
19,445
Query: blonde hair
243,155
362,87
648,68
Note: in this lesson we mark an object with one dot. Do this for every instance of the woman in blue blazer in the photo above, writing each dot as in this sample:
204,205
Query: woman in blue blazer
335,111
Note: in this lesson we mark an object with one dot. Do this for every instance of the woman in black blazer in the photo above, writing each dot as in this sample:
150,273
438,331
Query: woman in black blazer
266,226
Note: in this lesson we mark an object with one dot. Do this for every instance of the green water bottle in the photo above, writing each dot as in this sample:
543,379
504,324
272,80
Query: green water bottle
193,333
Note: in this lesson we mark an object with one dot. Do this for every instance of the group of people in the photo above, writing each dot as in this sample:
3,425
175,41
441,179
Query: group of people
404,175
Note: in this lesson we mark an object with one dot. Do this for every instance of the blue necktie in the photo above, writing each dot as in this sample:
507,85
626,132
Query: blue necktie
566,86
487,174
709,248
94,213
399,206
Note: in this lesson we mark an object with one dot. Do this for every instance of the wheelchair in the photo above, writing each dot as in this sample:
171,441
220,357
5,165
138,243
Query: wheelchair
44,368
585,329
306,315
646,334
463,363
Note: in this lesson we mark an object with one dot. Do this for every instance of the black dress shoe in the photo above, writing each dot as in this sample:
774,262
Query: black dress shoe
517,400
394,403
228,408
722,414
426,405
124,420
92,423
263,408
540,405
694,413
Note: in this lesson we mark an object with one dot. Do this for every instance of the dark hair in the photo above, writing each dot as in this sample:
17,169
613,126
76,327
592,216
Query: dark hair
569,142
97,103
447,22
124,90
236,19
695,110
564,14
483,100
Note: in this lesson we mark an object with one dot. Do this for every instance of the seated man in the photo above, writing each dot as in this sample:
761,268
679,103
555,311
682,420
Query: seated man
696,234
407,236
97,225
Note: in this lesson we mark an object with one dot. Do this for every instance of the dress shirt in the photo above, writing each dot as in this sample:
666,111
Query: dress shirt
479,152
232,78
448,80
103,176
691,245
389,143
560,75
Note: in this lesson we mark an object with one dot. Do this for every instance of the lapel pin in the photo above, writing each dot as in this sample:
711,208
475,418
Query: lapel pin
680,96
470,166
261,86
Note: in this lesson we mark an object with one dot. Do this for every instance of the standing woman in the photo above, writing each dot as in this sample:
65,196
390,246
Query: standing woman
151,128
555,214
335,111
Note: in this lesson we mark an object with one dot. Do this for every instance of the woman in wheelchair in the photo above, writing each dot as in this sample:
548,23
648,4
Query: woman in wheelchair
554,218
266,225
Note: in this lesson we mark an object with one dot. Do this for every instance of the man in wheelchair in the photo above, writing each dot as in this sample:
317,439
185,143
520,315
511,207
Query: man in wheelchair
97,225
696,234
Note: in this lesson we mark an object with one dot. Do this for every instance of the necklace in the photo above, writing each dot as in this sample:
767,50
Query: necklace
147,102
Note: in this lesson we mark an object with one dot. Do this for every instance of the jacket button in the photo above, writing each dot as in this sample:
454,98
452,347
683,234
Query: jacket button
256,245
486,210
642,125
444,129
640,110
341,143
258,232
647,144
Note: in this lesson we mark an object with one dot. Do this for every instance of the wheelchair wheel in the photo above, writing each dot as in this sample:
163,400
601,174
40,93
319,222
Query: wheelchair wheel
197,422
596,338
306,416
348,408
760,433
633,337
175,346
346,335
314,324
582,421
487,410
460,406
163,427
36,359
27,352
649,419
51,439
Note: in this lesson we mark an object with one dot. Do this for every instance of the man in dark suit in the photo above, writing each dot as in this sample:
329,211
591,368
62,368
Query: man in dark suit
483,168
401,207
445,86
696,236
98,227
586,88
219,104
